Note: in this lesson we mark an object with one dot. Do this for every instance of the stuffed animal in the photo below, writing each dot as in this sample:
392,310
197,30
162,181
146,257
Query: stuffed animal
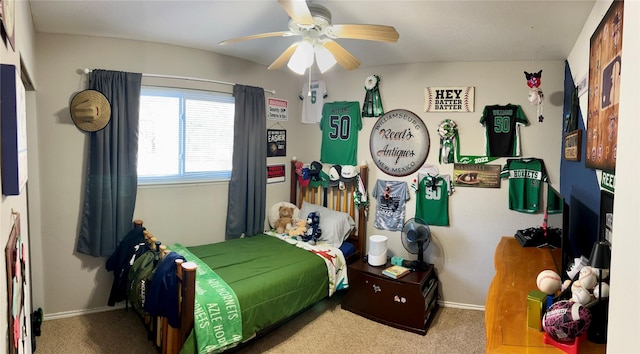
285,218
297,229
313,233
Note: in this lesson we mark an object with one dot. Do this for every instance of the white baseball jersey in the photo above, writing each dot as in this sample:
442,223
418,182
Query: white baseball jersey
312,96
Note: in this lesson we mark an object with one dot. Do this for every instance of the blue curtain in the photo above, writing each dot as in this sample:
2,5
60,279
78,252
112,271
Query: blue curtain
248,184
111,176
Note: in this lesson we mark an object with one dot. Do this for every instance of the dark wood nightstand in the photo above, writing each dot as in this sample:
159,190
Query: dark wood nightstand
408,303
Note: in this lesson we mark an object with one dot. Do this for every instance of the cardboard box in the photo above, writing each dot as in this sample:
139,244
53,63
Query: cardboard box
535,309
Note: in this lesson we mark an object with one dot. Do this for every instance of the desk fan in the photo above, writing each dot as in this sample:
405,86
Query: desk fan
416,237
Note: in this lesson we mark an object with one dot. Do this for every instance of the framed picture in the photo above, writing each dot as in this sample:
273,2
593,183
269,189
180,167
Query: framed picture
572,145
605,55
275,173
276,142
13,125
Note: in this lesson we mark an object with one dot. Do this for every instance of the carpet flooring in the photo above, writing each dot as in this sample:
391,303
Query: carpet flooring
324,328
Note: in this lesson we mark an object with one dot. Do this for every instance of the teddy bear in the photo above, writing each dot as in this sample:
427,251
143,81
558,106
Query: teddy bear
285,217
313,233
297,229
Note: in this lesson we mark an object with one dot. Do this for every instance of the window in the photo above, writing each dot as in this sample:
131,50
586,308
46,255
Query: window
184,136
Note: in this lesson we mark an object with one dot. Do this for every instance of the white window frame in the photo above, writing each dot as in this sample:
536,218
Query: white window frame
183,177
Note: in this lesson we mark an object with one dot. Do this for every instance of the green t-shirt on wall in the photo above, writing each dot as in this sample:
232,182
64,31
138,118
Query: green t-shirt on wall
340,124
432,199
525,179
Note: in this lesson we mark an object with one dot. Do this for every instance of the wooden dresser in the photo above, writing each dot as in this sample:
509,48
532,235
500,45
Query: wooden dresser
506,308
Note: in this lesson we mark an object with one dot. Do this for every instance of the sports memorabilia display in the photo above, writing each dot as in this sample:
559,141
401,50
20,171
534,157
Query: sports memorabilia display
605,74
312,95
340,124
432,199
525,179
480,175
502,124
449,141
391,197
372,104
449,99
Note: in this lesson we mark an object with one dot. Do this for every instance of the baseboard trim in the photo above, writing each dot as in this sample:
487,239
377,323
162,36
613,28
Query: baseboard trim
458,305
67,314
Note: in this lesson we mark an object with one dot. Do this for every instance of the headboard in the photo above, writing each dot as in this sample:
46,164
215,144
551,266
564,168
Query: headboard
336,199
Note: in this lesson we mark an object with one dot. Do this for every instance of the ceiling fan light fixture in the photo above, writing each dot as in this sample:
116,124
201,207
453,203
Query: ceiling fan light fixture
302,58
324,58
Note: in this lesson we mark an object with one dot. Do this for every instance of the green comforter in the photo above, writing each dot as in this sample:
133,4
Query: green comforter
272,279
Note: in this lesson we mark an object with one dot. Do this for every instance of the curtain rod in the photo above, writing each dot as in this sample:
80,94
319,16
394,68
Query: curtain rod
273,92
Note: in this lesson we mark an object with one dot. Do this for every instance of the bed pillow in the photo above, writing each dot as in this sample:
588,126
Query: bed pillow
335,225
274,212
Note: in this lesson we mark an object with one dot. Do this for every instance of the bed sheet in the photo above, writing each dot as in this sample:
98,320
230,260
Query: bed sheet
272,279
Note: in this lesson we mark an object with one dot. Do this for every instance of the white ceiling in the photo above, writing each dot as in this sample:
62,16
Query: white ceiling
430,30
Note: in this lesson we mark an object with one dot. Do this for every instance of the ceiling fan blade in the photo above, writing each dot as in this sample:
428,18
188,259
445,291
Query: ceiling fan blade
379,33
284,57
298,11
343,57
257,36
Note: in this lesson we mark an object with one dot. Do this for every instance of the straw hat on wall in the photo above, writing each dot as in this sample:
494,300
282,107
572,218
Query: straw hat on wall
90,110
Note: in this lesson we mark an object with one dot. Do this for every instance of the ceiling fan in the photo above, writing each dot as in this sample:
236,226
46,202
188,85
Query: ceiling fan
313,23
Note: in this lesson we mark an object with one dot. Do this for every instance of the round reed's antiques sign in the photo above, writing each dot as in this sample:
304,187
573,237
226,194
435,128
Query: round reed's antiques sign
399,143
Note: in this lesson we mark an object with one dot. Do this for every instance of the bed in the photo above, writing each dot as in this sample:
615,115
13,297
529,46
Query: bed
257,283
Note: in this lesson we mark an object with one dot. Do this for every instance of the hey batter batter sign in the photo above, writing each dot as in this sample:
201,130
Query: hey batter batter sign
448,99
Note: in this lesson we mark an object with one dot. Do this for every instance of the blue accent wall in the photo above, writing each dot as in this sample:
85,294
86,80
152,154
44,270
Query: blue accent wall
579,186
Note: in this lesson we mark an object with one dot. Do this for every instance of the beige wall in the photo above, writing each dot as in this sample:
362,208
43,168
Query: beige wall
189,214
196,213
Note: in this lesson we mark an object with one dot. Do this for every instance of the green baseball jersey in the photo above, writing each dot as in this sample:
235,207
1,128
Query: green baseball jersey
432,199
502,129
525,178
340,124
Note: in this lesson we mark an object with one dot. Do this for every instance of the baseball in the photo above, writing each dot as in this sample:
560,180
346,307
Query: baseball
588,277
548,281
565,285
581,296
576,284
605,290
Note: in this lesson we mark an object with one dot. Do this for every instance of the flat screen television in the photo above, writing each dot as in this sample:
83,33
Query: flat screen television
606,212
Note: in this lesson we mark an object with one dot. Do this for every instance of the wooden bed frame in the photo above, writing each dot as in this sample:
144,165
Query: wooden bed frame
170,340
336,199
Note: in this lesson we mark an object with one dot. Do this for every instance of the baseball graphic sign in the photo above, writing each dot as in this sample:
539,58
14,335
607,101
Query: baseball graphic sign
449,99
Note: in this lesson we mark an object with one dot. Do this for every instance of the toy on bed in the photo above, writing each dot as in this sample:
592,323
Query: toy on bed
298,228
285,219
313,233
